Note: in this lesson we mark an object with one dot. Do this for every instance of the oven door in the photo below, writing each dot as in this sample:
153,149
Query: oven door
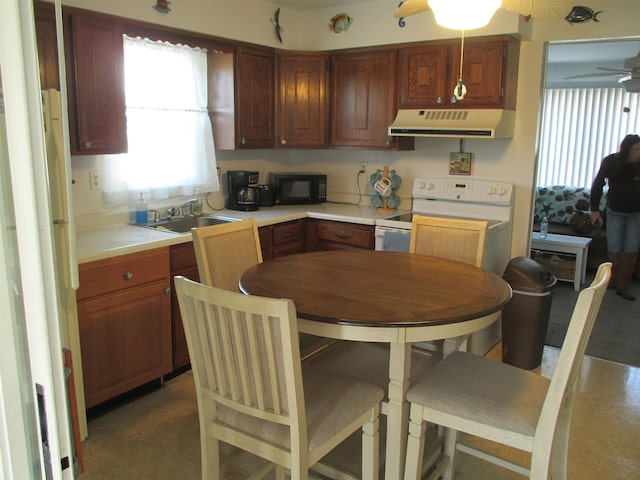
391,239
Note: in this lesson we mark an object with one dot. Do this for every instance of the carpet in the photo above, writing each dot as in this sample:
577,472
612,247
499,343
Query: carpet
616,333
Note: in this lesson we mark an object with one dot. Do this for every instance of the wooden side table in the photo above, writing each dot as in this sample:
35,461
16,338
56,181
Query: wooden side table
568,245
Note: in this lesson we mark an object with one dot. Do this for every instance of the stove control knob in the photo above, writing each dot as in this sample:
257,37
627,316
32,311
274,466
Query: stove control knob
431,186
492,191
503,192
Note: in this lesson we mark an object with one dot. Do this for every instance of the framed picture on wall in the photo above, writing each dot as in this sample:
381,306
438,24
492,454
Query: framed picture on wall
459,163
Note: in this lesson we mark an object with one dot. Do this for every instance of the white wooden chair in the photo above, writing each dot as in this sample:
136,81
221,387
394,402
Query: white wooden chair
253,393
226,250
454,239
504,404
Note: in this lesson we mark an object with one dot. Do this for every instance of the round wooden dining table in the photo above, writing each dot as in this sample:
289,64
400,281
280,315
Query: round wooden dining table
390,297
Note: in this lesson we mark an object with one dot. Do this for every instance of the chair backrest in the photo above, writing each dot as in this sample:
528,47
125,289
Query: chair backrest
559,397
454,239
245,357
226,250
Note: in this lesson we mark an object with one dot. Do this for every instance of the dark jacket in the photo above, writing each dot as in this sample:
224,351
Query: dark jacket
624,185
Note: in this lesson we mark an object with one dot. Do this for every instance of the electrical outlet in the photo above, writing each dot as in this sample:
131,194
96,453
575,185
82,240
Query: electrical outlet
95,181
363,167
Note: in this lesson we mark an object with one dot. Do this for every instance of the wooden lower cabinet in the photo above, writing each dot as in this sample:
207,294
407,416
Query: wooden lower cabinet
331,235
183,262
282,239
124,314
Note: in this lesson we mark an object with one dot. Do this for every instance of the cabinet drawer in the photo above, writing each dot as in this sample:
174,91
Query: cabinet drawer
287,232
348,234
125,271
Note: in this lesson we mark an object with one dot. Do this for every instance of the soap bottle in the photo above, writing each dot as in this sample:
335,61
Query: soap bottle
197,206
141,211
544,228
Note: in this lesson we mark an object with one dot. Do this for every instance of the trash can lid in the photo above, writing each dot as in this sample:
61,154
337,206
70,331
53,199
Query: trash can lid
526,275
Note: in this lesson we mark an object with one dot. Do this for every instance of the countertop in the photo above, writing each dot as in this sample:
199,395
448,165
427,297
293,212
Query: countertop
106,239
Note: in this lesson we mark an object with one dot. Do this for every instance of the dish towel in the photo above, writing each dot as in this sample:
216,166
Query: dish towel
396,242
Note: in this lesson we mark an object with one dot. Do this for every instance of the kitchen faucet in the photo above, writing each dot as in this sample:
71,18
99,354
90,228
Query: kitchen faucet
156,215
189,204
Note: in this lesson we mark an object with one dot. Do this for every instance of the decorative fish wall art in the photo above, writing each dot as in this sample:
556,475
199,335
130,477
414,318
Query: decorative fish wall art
340,23
276,24
162,6
579,14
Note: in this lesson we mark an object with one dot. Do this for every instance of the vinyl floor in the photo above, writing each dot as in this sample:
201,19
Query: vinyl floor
156,436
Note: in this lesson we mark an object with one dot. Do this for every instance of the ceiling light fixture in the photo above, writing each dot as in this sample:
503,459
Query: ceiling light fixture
464,14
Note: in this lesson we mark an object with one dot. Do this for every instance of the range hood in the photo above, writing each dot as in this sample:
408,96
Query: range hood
480,123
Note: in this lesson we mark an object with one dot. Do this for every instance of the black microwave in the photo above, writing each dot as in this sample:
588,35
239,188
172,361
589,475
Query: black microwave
299,188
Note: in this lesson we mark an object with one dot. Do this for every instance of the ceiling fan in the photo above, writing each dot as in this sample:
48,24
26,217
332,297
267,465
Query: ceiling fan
629,74
539,9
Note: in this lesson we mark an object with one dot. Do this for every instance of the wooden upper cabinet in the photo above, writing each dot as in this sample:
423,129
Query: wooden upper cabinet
95,73
254,97
489,71
363,99
429,73
423,76
45,21
303,119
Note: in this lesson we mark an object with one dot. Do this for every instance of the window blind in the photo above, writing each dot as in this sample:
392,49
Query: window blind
580,127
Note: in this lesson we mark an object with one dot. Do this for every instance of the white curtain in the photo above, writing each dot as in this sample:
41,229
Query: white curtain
580,127
169,134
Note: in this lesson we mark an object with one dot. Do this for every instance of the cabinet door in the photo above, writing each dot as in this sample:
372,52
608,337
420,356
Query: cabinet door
363,98
303,117
126,340
96,84
183,262
482,73
265,234
254,98
423,76
45,20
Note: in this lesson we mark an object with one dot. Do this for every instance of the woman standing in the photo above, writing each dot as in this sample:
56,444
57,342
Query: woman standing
622,173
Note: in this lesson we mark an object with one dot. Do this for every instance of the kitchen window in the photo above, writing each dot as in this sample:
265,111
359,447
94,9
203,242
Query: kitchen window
171,150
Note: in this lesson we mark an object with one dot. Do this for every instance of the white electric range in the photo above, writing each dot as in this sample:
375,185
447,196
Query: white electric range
466,199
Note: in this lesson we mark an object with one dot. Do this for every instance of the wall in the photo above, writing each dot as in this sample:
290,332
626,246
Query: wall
512,160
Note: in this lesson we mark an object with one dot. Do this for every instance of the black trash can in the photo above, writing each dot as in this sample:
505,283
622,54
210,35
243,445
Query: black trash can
526,317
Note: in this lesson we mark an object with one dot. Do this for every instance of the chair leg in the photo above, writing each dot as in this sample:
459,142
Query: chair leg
210,453
450,441
280,472
371,447
415,444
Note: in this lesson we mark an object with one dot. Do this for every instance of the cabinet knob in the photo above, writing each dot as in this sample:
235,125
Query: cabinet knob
342,235
439,100
128,275
283,142
167,290
87,144
243,141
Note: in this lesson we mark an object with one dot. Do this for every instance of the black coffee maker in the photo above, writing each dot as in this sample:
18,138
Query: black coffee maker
244,194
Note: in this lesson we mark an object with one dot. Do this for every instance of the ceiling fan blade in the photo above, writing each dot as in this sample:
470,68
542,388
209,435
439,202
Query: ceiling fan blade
595,74
411,7
617,70
539,9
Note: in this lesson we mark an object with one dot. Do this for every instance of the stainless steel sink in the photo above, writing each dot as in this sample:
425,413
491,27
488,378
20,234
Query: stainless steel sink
185,224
